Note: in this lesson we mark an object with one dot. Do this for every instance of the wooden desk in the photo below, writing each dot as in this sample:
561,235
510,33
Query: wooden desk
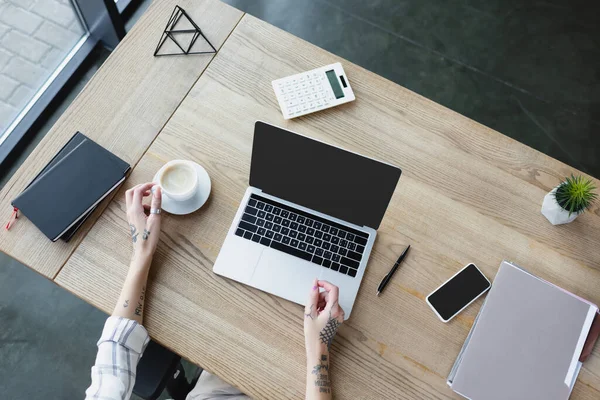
123,108
467,194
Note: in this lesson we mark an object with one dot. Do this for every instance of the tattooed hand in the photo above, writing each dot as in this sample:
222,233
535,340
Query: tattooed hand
322,317
144,228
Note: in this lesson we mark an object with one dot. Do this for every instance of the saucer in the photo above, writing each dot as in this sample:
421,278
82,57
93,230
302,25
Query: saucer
193,203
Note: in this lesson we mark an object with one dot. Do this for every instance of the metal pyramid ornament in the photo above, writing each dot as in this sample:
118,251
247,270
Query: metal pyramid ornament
183,32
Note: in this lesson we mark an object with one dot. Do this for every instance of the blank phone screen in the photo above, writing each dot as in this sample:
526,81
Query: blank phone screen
459,291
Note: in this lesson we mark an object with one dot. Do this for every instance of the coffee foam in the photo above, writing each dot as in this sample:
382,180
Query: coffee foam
178,178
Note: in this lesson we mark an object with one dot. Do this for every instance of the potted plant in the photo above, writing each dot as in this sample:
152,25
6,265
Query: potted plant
569,199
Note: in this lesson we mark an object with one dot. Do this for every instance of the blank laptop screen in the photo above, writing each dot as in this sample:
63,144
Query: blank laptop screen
325,178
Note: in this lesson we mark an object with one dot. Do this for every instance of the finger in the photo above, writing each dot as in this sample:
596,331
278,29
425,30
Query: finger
326,285
155,204
313,296
338,312
322,301
332,291
128,197
138,194
329,288
323,298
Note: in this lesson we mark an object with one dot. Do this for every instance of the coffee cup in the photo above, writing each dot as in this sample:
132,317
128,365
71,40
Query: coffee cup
178,179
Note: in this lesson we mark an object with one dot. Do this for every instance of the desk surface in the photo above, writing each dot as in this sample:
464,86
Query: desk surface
123,108
467,194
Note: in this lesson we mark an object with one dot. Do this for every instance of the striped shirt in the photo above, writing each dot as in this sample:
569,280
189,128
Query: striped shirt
119,350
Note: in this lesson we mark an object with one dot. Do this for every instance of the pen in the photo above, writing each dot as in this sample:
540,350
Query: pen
387,278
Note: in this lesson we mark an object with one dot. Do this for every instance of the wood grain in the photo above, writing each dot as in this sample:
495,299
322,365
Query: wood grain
467,194
122,108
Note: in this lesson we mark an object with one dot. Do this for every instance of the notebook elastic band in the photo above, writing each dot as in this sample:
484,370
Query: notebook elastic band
13,218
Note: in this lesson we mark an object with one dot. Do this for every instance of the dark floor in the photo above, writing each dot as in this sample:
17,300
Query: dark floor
529,69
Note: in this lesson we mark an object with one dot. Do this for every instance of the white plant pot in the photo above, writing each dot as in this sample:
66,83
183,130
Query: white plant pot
555,213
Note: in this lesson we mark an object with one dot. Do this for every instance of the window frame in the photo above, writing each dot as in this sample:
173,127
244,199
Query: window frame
104,24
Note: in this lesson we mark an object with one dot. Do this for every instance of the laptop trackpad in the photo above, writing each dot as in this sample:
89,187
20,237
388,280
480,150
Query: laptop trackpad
285,275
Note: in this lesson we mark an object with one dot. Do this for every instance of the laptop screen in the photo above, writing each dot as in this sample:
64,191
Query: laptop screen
324,178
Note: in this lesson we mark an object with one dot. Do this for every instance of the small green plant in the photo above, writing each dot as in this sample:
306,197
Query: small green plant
575,194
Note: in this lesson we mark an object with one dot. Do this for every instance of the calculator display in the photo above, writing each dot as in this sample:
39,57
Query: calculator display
335,84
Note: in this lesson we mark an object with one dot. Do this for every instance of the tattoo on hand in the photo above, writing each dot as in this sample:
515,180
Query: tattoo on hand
309,313
145,234
134,233
328,332
126,304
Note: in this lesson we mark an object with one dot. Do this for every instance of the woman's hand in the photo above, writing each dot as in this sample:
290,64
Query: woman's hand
144,220
322,317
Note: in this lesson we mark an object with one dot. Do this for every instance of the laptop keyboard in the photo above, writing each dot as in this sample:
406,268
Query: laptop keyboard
303,235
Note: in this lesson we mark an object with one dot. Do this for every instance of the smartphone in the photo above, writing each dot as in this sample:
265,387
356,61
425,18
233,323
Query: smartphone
458,292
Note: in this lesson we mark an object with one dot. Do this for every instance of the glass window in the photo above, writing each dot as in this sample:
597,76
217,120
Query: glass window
35,38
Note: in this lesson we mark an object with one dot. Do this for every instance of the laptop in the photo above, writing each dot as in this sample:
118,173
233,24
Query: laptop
312,210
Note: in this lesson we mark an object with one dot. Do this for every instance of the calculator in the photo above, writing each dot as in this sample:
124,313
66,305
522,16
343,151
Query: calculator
313,90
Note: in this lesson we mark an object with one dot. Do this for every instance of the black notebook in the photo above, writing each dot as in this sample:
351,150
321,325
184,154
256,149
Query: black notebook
71,144
67,190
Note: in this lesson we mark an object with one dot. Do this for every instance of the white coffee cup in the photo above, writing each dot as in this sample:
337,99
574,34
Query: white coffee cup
178,179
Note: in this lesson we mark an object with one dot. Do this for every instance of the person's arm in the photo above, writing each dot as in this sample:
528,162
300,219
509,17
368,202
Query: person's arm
124,339
322,317
144,230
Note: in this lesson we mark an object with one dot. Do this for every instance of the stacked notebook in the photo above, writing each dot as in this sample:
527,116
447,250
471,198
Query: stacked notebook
527,341
68,189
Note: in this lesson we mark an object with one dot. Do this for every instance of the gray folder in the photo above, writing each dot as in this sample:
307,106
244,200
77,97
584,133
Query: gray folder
526,341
